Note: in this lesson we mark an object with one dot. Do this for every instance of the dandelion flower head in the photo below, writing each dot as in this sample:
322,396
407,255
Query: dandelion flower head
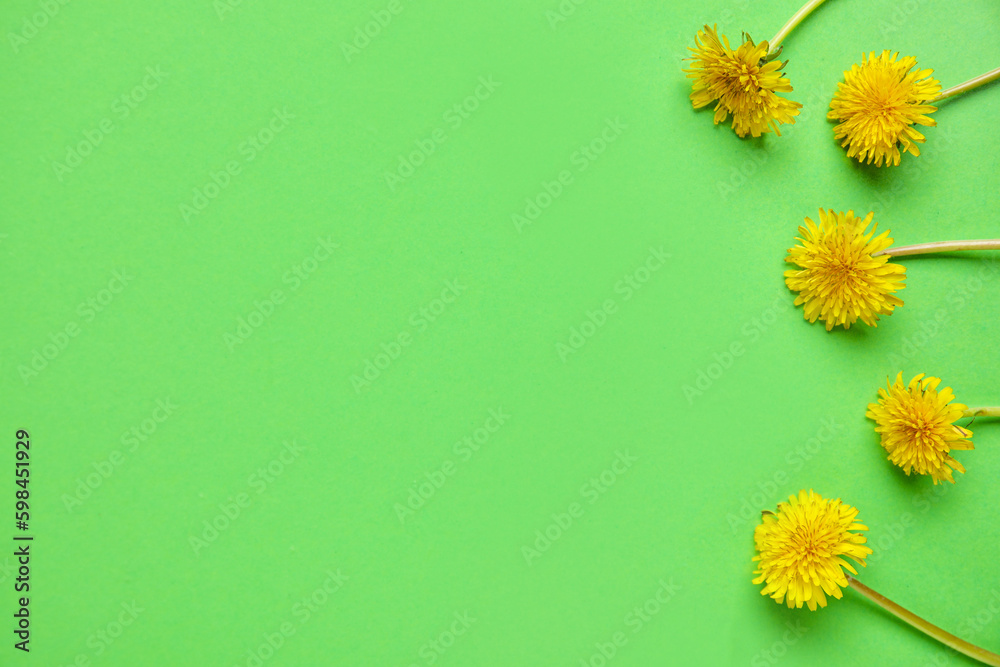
801,550
742,82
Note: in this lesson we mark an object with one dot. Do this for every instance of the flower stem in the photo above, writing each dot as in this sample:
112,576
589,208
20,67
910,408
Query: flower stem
927,628
993,411
968,85
792,23
940,246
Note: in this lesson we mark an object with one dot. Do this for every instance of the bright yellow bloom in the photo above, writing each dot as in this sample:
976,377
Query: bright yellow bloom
800,549
878,104
743,83
917,426
838,279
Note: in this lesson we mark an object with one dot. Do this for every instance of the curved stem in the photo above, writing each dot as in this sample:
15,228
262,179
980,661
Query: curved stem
926,627
968,85
993,411
792,23
940,246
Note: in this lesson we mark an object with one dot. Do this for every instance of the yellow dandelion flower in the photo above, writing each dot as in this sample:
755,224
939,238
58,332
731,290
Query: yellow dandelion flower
839,279
917,425
743,82
800,550
878,104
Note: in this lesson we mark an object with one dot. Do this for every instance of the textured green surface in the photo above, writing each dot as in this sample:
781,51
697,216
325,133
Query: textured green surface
474,307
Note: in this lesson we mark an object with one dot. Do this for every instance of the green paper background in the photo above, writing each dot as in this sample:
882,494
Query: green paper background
788,413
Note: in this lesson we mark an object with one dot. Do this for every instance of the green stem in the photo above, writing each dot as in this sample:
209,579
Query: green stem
993,411
792,23
927,628
968,85
940,246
